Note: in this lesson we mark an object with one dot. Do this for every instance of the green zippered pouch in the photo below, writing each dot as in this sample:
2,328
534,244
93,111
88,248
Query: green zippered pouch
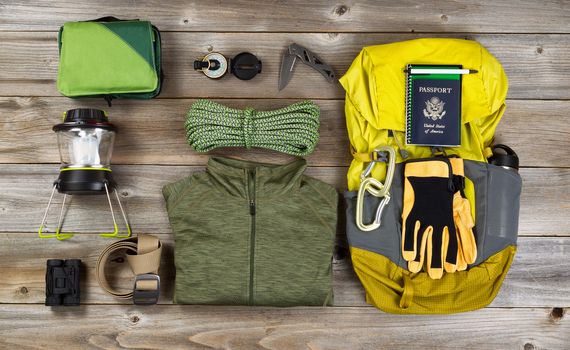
109,58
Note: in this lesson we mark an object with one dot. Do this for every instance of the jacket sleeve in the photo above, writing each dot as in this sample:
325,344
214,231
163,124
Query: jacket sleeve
174,191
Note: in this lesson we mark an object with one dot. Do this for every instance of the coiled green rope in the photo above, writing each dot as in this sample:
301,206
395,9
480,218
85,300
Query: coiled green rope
293,130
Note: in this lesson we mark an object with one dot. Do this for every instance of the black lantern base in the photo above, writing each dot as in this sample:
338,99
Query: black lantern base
84,181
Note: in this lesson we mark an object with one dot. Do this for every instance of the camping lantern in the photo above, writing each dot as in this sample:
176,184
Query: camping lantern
85,140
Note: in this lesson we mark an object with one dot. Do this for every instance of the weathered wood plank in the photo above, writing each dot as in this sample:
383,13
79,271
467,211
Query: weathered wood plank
152,147
535,64
152,132
191,327
539,276
316,16
25,189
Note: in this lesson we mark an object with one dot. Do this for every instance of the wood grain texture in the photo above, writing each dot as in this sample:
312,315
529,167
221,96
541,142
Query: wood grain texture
152,132
530,38
301,16
191,327
25,189
539,276
537,65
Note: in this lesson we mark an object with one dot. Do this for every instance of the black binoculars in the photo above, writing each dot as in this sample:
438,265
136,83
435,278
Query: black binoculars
62,282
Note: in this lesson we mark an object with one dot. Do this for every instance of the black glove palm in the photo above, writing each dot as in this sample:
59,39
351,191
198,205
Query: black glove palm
428,222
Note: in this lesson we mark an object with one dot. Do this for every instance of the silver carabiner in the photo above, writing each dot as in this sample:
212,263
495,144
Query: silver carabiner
376,188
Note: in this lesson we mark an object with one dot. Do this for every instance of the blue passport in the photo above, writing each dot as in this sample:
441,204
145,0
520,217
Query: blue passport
433,107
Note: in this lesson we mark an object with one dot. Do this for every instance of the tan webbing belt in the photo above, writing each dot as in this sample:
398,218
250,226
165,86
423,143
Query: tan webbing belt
143,255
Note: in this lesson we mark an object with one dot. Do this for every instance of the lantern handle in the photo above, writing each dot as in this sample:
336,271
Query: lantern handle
63,236
60,236
42,225
115,234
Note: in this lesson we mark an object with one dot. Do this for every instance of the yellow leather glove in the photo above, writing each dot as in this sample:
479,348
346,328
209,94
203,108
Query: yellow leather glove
436,218
428,228
467,247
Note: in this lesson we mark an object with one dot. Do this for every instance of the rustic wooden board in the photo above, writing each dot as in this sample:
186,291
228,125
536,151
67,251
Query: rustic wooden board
152,132
545,202
301,16
538,278
537,65
529,38
191,327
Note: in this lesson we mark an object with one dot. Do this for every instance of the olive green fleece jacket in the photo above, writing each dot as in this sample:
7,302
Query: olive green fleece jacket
252,234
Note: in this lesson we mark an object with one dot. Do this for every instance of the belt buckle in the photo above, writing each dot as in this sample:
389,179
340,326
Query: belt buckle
146,297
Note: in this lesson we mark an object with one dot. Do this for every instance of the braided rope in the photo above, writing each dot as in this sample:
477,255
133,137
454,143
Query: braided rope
293,130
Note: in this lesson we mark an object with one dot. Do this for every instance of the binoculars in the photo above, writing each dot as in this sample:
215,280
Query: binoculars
62,282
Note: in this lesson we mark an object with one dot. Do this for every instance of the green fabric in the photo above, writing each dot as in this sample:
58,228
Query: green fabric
293,130
138,40
115,58
281,256
158,69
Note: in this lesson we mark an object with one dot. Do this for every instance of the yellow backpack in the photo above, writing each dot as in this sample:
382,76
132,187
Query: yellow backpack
375,116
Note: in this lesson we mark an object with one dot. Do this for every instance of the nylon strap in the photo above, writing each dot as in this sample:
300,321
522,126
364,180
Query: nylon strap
292,130
143,254
367,157
361,156
408,293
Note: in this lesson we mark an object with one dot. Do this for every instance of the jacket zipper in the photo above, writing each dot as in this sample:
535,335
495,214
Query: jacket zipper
252,210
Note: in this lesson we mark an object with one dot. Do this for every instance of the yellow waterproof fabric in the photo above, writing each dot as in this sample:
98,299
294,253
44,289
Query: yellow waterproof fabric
375,116
394,289
375,98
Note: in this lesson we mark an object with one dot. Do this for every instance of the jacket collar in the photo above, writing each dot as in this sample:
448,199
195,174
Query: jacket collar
239,178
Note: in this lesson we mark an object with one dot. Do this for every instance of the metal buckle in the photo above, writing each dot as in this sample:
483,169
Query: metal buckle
146,297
